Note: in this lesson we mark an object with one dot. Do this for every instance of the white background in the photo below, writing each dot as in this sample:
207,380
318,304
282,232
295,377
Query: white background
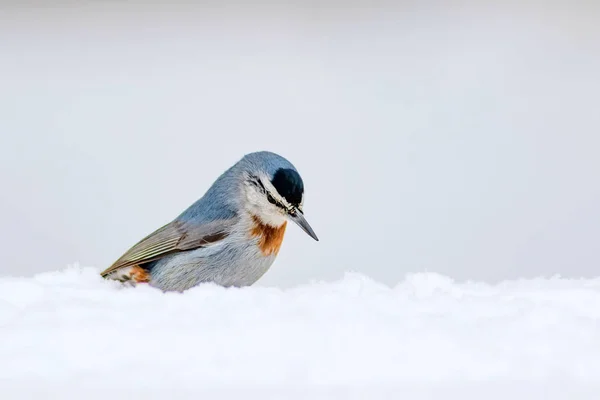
461,139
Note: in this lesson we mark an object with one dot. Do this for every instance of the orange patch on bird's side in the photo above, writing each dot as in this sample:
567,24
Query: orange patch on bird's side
270,238
139,274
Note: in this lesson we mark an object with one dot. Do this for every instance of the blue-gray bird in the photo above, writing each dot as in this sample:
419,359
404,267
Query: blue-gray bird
230,236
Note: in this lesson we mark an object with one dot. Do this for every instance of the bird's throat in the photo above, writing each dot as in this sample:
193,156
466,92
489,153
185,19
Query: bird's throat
269,238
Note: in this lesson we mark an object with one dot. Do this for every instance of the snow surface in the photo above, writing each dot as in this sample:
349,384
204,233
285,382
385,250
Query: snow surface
71,335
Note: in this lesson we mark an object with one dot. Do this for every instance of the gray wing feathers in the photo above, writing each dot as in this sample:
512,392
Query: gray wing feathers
174,237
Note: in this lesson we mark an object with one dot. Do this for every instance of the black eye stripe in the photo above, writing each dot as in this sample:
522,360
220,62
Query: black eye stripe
271,199
256,182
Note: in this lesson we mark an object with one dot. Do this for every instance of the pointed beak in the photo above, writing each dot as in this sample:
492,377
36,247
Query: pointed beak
299,219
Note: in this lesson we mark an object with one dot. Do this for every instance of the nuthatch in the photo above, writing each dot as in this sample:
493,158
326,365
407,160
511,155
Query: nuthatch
230,236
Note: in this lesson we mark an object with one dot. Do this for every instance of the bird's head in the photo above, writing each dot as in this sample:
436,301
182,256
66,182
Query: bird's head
273,190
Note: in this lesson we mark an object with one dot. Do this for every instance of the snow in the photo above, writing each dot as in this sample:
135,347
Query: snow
72,335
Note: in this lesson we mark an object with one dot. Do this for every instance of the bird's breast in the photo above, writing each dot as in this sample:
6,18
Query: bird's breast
269,238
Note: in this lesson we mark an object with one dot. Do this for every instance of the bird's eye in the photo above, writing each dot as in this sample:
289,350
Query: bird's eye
271,199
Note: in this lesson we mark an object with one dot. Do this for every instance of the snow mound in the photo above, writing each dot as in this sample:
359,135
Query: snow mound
71,334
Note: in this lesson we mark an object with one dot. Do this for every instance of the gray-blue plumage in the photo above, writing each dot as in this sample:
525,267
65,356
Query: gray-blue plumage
221,199
230,236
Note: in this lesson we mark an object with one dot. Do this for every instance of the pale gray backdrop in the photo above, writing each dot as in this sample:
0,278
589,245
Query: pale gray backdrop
459,138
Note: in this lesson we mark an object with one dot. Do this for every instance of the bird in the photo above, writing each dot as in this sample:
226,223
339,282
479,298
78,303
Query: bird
229,237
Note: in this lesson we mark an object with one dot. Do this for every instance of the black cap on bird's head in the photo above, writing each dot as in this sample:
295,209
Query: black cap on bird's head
289,185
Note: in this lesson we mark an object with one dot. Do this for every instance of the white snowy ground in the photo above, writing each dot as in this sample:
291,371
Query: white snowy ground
71,335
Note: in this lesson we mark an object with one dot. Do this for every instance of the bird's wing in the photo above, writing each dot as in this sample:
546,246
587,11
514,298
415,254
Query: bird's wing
174,237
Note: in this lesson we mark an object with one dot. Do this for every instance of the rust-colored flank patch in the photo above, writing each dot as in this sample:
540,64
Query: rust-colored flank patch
270,238
139,274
